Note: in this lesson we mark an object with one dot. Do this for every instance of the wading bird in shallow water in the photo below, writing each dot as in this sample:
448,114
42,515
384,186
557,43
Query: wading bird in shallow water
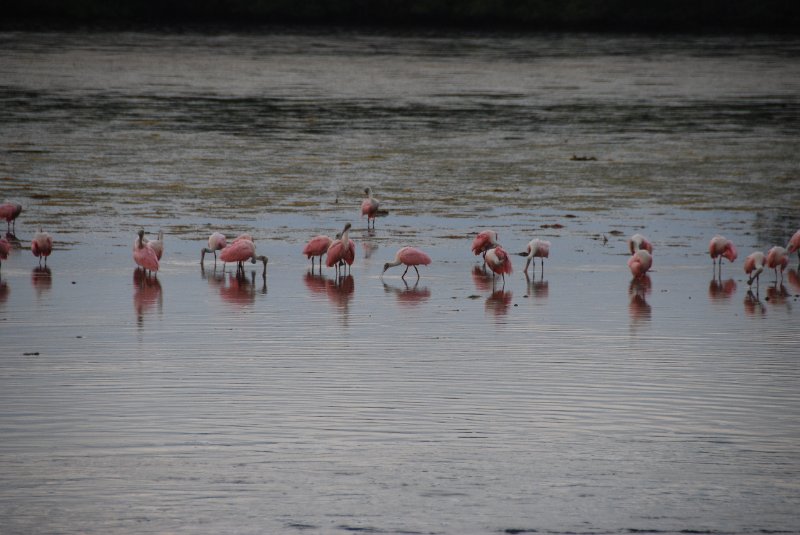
640,263
144,255
317,246
536,249
240,251
777,257
411,257
637,242
485,240
42,245
369,207
753,265
498,261
720,247
341,250
794,244
5,248
10,211
216,242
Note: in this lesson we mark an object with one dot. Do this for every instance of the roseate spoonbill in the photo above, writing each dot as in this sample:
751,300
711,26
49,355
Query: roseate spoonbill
719,247
241,250
369,207
9,211
216,242
498,261
5,248
411,257
485,240
640,263
157,245
342,249
144,255
794,244
777,257
536,248
42,245
317,246
638,242
753,265
244,236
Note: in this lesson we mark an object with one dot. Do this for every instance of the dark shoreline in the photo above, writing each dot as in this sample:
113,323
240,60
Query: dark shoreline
659,16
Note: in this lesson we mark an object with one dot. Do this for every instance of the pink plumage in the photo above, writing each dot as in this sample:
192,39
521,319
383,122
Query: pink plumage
410,257
217,241
240,250
721,246
754,265
317,246
10,211
777,257
342,249
640,263
144,256
794,243
42,245
5,248
484,241
369,207
498,261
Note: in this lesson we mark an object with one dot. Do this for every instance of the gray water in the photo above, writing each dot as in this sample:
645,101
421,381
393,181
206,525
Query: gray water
576,400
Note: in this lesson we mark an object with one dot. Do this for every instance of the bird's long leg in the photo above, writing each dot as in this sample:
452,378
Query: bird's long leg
415,269
542,268
403,276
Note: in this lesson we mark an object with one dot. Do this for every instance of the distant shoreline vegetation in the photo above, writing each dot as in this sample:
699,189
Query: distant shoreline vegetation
534,15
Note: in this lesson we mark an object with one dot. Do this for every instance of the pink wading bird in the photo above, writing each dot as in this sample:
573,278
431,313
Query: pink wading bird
411,257
640,263
342,249
719,247
794,244
499,262
753,265
239,251
536,249
317,246
144,255
5,248
369,207
638,242
10,211
777,257
216,242
42,245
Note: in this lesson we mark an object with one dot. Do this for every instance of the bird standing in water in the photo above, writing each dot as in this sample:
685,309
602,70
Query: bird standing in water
498,261
794,244
369,207
536,248
638,242
721,247
640,263
411,257
10,211
241,250
317,246
42,245
144,255
341,250
753,265
216,242
777,257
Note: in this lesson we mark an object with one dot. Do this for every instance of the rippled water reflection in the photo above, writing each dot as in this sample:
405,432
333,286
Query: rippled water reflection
575,400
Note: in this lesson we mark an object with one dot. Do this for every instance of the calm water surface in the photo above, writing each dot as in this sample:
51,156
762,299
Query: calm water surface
575,401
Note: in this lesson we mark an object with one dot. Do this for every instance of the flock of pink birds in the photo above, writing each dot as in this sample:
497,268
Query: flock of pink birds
339,252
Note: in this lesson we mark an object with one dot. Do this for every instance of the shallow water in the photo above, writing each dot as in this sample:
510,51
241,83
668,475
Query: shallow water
578,401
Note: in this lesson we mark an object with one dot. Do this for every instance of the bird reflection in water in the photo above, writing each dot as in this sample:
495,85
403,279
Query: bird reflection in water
794,279
408,296
537,289
778,295
146,294
240,289
499,302
482,280
42,280
719,290
368,245
339,291
753,305
4,291
638,308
